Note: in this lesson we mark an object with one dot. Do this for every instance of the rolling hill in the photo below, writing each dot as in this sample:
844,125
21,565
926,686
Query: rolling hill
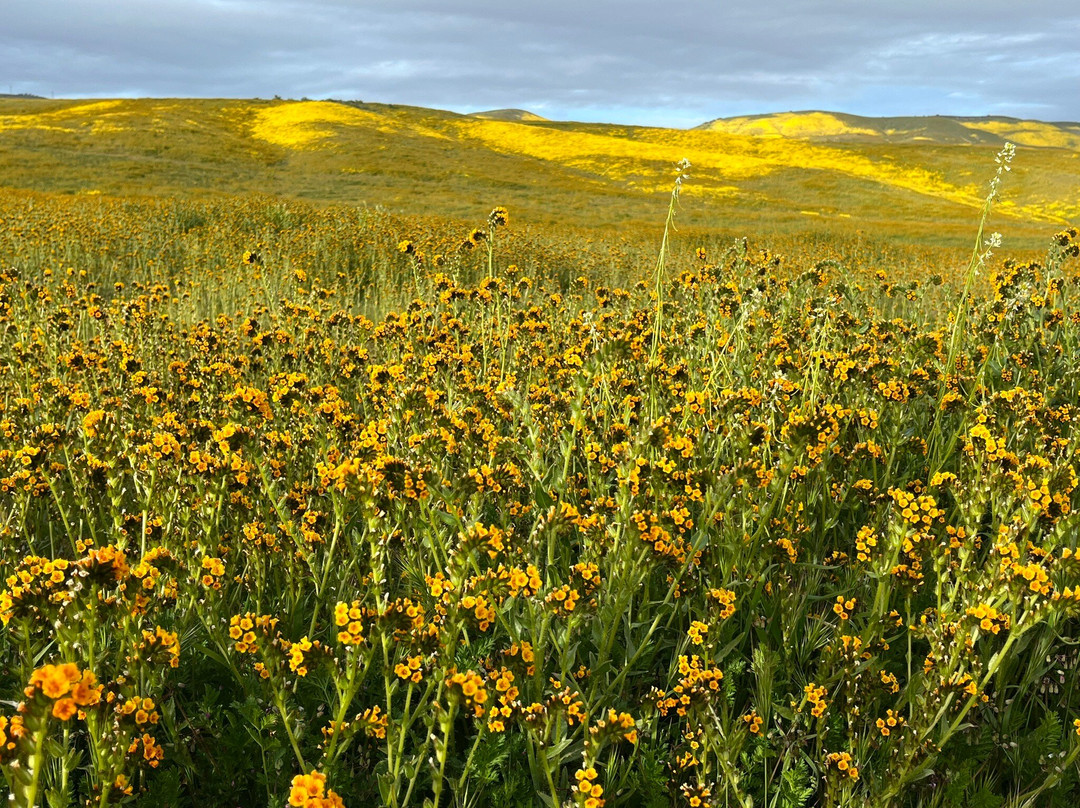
838,127
522,115
906,179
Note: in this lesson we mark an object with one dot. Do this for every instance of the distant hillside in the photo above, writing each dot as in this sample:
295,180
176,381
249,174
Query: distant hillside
914,179
20,95
941,129
509,115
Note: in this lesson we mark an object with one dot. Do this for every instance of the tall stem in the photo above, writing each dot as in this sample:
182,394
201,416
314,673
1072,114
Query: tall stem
661,261
979,255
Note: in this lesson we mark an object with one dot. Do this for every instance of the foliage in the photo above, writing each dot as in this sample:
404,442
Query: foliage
347,514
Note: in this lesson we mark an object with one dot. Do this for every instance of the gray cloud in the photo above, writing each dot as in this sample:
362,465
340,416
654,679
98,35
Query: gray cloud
677,62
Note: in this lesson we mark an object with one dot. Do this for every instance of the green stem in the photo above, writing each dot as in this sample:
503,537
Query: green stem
661,261
26,797
447,724
279,702
469,760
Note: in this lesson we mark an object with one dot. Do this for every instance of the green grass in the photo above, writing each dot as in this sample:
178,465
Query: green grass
783,521
808,498
411,160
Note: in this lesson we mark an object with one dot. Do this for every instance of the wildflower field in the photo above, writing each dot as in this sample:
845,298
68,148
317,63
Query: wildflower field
320,506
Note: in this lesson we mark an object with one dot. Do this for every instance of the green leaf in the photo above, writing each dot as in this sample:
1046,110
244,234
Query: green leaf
543,499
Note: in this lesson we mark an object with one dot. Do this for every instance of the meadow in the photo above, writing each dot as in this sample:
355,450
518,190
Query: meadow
316,504
911,182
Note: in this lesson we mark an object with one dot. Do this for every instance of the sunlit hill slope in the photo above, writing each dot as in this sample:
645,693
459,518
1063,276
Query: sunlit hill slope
906,178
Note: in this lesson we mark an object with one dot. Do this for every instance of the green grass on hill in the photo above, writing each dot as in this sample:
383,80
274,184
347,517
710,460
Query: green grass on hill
607,178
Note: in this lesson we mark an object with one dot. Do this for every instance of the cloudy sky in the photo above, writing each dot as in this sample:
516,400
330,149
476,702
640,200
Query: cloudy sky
660,62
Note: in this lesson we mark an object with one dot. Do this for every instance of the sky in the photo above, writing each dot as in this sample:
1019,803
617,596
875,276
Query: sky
661,63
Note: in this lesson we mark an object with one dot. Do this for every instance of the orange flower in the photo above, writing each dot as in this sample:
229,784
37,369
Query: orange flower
309,791
64,709
54,680
86,692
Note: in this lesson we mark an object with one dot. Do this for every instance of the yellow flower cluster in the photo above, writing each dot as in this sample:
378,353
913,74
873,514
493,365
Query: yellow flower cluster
697,632
373,721
12,730
753,722
891,721
36,582
506,694
919,511
298,652
588,792
815,694
69,688
842,762
699,682
469,688
349,617
988,618
242,630
411,669
140,710
215,569
616,725
865,542
161,640
310,791
725,598
980,438
843,607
